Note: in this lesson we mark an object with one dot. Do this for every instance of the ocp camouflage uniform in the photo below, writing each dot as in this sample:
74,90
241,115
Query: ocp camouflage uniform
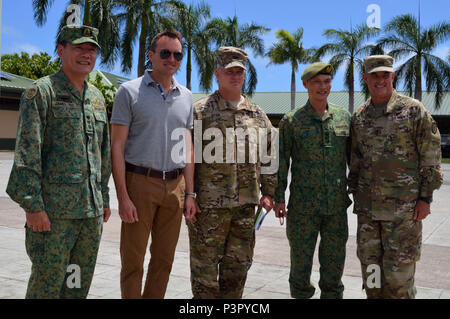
222,239
318,146
395,160
62,166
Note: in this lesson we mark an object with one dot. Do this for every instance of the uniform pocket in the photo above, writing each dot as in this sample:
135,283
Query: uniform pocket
35,244
403,242
66,122
65,179
306,138
100,122
60,111
100,117
62,192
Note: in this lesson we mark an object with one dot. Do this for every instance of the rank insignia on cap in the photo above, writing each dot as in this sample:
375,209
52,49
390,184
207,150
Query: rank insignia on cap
31,93
328,69
87,32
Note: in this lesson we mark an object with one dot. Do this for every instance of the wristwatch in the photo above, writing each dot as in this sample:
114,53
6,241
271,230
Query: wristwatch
426,199
194,195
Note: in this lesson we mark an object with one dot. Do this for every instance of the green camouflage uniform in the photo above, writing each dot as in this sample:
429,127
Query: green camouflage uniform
395,160
222,239
318,146
62,166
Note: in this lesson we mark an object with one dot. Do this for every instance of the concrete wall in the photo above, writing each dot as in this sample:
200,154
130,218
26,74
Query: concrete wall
8,123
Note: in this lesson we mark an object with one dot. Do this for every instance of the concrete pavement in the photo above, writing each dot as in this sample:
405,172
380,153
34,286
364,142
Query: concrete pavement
268,276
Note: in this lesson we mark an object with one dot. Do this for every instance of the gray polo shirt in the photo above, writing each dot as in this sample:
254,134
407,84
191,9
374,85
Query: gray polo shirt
155,122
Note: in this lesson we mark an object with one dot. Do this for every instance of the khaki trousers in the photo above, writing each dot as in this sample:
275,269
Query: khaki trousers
159,204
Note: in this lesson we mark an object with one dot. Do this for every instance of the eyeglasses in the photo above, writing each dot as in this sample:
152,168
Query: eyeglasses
165,54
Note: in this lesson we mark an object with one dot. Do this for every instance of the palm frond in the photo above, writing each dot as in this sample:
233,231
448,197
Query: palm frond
40,11
251,79
330,48
406,26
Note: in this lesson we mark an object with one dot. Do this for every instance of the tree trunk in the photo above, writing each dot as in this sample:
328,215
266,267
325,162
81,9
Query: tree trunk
142,42
87,13
351,90
188,68
293,89
351,99
418,88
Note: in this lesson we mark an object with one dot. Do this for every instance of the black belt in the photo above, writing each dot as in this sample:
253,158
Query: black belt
153,172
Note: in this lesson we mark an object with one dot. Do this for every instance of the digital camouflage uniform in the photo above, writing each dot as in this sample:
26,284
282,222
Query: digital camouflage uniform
395,160
222,239
62,166
318,146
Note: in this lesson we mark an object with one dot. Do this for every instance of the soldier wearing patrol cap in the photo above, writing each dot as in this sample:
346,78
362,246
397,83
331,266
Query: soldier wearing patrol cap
222,237
395,167
61,170
315,139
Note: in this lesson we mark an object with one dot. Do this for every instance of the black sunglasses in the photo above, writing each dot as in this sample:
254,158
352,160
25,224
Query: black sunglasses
165,54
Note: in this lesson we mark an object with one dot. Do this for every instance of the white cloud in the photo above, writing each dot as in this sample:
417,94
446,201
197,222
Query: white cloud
9,31
27,47
442,52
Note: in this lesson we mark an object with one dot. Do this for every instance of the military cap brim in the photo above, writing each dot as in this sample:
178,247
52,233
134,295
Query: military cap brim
85,40
382,69
234,64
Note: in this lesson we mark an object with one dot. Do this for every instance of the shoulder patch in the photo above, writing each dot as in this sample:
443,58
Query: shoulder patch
434,127
31,93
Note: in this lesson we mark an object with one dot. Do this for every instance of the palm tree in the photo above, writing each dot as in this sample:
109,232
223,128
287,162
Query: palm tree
190,21
228,32
96,13
407,40
347,47
151,17
290,49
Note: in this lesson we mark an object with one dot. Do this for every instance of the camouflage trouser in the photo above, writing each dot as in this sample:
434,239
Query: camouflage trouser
221,245
388,251
302,230
70,242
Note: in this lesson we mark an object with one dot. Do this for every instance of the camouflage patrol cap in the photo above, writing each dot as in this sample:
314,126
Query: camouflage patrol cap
377,63
228,57
77,34
316,68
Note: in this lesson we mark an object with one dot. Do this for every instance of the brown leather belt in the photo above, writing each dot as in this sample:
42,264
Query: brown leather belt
153,172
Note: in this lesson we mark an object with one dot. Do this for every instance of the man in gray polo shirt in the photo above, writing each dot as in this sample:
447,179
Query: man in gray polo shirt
150,178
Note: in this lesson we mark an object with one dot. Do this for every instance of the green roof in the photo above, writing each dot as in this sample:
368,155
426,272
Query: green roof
14,82
109,78
280,102
271,102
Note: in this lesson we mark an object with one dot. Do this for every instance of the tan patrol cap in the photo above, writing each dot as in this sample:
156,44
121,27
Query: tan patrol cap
76,34
228,57
316,68
378,63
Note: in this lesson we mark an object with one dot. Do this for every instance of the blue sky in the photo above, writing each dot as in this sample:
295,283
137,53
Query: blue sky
19,32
